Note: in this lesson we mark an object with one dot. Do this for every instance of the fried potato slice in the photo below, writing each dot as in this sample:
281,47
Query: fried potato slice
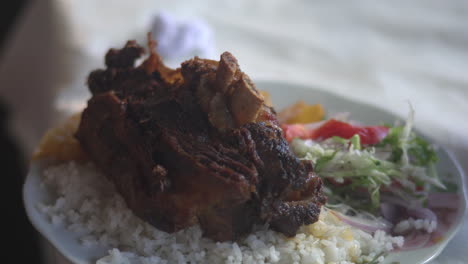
59,143
301,113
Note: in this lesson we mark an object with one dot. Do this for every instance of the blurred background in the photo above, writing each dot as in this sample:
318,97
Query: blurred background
382,53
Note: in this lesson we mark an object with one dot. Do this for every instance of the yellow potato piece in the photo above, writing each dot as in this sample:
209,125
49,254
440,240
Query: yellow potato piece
59,143
301,113
266,97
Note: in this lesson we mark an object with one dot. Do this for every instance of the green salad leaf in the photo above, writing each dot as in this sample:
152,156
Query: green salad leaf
401,158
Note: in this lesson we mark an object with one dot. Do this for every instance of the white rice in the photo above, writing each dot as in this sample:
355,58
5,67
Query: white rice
410,224
87,203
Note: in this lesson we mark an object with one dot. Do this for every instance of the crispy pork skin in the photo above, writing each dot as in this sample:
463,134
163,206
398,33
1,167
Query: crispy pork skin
195,145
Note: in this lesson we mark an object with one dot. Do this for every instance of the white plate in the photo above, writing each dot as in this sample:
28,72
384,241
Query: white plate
282,94
65,241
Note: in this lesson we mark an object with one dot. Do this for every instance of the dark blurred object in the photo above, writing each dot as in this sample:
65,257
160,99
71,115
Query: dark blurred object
22,243
8,16
19,233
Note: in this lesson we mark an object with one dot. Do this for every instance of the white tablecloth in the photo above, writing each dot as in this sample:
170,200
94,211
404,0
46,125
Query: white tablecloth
385,53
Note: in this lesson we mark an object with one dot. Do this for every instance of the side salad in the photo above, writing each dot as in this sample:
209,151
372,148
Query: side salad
376,177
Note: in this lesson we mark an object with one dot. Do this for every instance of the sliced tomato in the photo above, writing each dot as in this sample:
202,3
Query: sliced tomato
368,134
294,131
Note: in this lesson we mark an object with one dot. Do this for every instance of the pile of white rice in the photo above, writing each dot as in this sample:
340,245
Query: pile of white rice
87,203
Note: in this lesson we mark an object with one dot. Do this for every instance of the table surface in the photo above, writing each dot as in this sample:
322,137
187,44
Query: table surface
383,53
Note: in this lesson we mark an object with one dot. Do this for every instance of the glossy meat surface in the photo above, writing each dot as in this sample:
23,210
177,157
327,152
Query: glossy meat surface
196,145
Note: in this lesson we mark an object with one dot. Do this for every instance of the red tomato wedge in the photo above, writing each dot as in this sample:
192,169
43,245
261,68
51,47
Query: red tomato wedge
368,134
294,131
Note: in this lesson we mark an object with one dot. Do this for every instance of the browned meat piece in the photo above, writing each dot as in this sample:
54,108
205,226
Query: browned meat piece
195,145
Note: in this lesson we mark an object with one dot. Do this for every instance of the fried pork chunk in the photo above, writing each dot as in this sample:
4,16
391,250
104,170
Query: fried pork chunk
195,145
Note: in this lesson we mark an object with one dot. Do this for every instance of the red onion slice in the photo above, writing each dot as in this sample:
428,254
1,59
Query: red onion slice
415,240
422,213
443,200
368,226
390,212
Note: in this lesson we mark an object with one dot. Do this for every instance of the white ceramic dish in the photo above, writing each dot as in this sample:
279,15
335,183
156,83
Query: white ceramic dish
282,94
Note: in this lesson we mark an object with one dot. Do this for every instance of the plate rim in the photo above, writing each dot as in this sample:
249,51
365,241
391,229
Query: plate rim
37,166
40,222
440,246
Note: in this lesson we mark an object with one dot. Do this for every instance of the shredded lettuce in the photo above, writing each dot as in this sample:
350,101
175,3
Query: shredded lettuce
356,142
401,157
